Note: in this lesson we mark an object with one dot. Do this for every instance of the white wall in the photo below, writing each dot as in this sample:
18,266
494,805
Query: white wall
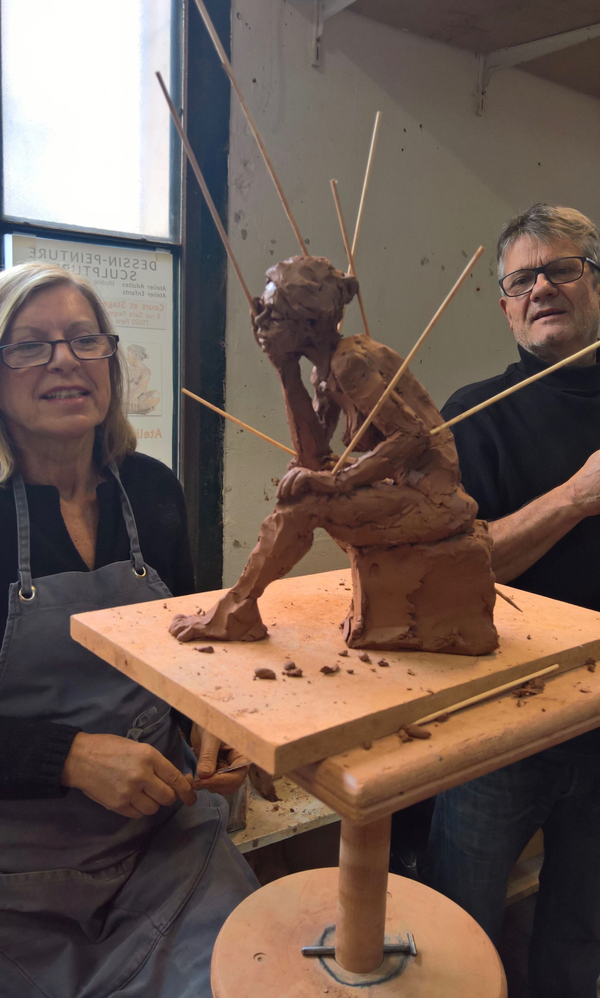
444,181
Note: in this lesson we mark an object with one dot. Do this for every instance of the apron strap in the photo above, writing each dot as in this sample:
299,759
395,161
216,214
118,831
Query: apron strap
26,588
134,541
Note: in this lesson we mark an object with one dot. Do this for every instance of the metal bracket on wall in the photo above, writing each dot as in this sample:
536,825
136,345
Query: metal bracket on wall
322,11
518,54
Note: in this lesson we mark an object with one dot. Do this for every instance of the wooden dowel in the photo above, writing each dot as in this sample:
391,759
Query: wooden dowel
338,207
515,388
238,422
361,206
376,408
207,195
362,894
485,696
234,83
507,599
363,196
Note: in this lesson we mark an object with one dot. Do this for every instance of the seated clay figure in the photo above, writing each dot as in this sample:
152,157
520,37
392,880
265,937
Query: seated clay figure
421,567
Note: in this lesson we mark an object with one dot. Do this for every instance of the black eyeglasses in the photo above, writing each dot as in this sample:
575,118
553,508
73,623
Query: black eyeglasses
36,353
563,271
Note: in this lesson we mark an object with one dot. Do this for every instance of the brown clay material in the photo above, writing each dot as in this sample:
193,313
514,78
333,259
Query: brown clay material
398,510
416,731
329,670
263,783
264,674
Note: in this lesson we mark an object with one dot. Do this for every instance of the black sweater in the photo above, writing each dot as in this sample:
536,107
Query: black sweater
524,446
32,752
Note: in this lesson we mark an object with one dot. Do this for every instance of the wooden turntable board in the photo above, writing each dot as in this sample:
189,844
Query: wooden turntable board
291,722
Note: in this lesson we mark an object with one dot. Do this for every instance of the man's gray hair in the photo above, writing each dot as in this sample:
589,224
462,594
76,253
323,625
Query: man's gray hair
547,222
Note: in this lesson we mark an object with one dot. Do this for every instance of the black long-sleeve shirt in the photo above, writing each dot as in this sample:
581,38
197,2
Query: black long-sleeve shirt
33,752
523,447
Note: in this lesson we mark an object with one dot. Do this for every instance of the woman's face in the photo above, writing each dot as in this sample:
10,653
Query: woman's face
66,398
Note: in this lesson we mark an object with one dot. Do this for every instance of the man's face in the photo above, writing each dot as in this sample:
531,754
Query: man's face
552,321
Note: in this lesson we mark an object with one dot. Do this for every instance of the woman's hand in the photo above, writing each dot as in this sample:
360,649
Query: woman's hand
210,750
128,777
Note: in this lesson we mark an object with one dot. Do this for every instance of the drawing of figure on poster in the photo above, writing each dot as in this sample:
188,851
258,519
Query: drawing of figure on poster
144,394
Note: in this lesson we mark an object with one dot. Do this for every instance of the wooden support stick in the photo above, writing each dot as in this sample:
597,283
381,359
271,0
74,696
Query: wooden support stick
515,388
363,195
507,599
234,83
338,207
362,887
486,695
207,195
376,408
238,422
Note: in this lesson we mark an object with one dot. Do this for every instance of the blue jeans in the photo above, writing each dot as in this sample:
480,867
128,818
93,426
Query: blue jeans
478,833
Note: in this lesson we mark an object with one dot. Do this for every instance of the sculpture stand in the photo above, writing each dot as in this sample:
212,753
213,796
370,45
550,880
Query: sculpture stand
259,949
348,720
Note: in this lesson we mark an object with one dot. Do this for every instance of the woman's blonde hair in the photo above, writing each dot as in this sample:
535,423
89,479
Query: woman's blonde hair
17,286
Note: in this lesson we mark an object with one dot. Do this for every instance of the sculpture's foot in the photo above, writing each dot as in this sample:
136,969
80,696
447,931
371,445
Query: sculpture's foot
229,620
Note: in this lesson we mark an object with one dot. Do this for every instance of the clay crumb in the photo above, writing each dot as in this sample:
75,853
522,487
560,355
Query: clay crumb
200,611
528,637
328,670
275,807
591,664
165,607
264,674
367,745
351,671
364,657
383,663
442,718
206,648
289,666
344,653
530,689
404,735
411,672
294,672
416,731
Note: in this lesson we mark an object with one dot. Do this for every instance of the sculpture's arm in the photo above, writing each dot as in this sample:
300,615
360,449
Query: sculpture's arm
309,436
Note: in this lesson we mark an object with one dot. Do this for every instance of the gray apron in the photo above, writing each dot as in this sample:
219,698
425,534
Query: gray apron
93,904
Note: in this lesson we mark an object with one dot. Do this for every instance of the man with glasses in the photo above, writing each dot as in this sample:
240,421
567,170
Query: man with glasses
532,462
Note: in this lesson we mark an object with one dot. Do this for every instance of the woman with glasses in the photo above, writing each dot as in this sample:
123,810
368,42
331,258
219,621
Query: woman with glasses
116,876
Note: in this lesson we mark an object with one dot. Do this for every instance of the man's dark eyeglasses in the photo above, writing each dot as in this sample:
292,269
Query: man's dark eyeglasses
563,271
36,353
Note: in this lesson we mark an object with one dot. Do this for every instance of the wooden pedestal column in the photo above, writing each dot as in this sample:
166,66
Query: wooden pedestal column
362,887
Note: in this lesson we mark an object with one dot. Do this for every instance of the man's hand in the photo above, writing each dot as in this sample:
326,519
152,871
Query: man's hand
128,777
585,486
300,480
211,752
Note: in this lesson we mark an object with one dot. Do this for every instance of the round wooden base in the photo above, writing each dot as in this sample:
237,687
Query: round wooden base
258,951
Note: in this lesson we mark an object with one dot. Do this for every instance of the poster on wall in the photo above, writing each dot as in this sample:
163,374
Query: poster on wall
136,289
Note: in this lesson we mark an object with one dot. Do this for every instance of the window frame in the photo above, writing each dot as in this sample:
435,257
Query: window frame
199,278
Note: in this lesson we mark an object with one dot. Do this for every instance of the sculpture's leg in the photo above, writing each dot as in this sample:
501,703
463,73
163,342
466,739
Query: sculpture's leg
285,537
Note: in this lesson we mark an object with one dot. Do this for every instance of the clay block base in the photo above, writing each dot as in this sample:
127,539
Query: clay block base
429,597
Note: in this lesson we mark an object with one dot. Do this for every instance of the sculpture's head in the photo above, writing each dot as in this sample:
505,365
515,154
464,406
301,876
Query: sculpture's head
302,306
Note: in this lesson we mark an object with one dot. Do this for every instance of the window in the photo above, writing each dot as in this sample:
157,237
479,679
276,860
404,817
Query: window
86,134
